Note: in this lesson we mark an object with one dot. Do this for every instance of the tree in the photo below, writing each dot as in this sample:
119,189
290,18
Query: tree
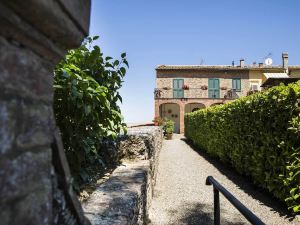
86,104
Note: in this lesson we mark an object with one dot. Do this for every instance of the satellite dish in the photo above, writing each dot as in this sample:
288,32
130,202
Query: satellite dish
268,61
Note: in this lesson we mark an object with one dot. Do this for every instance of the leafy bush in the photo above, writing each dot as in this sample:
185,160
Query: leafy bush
168,126
85,104
259,135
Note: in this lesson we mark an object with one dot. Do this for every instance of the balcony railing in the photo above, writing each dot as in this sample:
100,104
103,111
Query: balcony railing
167,93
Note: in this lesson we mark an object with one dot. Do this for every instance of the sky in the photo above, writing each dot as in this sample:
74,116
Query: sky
214,32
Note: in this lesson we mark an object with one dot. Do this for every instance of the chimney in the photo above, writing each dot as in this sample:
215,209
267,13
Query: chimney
242,63
285,60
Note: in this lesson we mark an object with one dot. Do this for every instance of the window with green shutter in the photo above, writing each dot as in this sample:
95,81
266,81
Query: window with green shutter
236,84
177,88
213,88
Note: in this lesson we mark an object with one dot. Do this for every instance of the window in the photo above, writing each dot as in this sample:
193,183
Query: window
213,88
236,84
254,86
177,88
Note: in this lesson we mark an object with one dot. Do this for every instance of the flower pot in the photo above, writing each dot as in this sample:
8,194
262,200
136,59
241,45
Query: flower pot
169,136
185,87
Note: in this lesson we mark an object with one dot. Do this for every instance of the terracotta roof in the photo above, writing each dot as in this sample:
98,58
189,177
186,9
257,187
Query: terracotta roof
219,67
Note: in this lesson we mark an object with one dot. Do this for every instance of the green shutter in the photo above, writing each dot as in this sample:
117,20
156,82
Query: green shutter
177,88
213,88
236,84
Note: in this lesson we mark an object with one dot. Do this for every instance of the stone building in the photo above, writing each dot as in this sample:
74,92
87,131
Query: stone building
35,184
182,89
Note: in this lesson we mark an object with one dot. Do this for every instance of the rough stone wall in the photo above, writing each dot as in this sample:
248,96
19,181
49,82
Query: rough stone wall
229,74
140,143
126,196
34,36
294,73
196,79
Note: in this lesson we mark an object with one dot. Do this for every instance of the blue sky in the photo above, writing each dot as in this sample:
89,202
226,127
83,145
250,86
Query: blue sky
186,32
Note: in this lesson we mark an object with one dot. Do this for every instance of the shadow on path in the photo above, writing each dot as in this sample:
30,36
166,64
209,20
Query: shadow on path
196,213
245,183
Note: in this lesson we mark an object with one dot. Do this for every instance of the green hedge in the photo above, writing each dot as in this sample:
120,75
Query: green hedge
259,135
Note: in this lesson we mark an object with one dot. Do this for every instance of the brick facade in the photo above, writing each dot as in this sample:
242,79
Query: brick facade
195,79
182,105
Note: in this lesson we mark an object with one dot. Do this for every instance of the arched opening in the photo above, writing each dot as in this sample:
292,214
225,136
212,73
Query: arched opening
192,107
172,112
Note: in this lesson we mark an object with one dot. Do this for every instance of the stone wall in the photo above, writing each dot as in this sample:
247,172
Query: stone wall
126,196
34,36
201,79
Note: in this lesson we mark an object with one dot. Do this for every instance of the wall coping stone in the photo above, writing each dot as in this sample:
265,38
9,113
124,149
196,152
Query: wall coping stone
126,196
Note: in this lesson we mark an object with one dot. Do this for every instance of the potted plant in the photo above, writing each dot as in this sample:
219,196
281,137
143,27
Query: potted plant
204,87
168,128
158,121
185,87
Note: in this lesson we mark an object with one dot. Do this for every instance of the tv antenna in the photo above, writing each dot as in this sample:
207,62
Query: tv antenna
201,61
268,59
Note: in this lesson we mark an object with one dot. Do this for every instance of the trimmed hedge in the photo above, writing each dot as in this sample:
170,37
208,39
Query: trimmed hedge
259,135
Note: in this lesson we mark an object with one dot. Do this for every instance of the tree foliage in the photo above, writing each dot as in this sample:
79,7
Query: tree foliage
259,135
86,104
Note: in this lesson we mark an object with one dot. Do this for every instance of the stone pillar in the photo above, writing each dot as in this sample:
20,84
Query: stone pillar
34,36
156,108
182,106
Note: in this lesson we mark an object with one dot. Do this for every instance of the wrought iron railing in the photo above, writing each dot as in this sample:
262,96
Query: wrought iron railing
231,94
217,187
186,93
167,93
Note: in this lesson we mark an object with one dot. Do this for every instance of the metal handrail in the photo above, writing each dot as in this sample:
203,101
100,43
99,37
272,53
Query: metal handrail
217,187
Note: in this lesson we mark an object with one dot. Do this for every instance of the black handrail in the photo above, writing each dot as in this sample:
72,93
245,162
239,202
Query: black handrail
217,187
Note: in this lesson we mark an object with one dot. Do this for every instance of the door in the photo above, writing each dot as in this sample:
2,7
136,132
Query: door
172,112
213,88
177,88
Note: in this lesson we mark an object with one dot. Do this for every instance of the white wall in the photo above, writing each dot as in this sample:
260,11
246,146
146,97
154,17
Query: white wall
171,111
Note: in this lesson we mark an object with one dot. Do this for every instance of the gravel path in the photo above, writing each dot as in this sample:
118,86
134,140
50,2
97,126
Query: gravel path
181,196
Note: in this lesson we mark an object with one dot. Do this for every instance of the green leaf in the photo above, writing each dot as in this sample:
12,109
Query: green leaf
123,70
126,63
86,106
116,62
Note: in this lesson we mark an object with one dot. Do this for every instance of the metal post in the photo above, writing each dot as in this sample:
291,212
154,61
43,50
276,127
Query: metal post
217,187
216,207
